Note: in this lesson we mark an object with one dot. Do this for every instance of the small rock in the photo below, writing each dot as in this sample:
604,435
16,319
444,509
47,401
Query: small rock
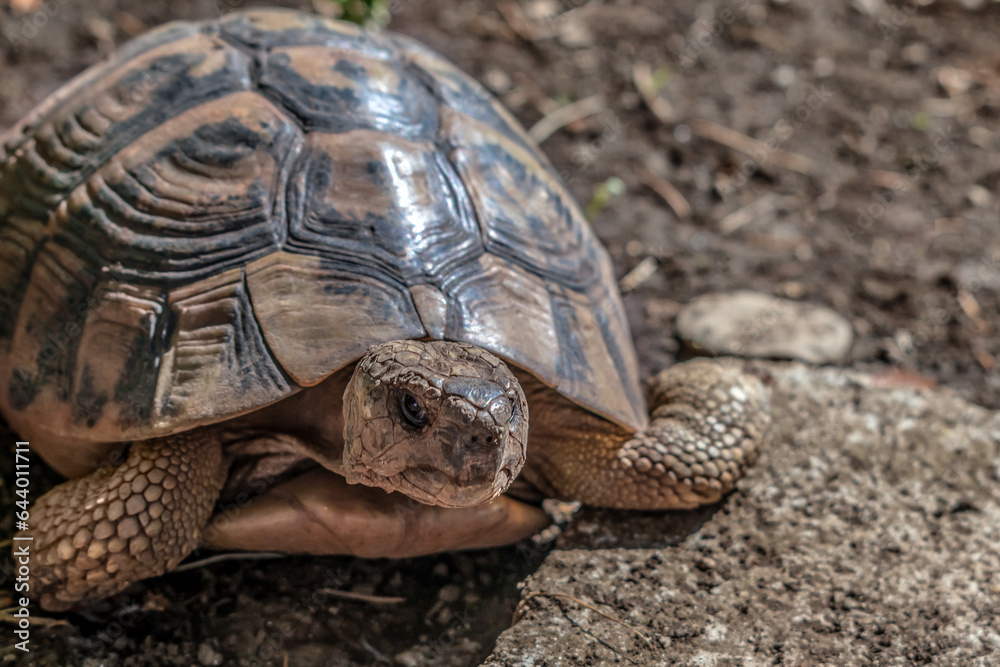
981,136
705,563
751,324
877,58
916,53
450,593
208,656
318,654
979,274
541,9
881,290
498,80
955,81
824,67
784,76
410,658
870,7
575,34
444,616
979,196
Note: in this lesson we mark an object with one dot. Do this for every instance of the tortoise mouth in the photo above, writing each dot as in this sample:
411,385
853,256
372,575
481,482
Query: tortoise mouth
431,486
251,478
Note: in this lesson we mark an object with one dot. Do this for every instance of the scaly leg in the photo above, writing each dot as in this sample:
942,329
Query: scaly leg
706,426
96,535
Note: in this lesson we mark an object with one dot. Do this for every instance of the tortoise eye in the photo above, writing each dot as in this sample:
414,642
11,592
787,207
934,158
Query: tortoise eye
412,411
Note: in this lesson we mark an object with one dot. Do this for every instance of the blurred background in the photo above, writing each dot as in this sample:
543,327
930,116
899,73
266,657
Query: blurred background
845,154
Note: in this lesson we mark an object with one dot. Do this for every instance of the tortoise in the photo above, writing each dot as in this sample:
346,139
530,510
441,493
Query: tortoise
250,263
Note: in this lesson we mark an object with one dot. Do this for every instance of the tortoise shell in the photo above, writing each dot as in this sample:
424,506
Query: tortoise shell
228,211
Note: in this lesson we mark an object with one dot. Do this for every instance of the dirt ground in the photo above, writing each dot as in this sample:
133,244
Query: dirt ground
871,188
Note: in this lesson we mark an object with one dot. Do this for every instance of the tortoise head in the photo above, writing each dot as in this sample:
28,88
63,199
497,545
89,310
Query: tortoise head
442,422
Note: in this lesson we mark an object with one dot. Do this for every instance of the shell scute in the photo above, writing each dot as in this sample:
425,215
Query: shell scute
76,131
318,318
339,91
194,197
215,363
228,211
380,205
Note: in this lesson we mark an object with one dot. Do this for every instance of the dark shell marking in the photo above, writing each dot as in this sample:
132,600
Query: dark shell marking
226,211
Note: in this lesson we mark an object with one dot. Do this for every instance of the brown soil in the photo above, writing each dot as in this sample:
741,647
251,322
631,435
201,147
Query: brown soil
893,224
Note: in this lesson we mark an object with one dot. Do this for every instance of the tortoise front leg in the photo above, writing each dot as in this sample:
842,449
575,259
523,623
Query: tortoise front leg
706,426
96,535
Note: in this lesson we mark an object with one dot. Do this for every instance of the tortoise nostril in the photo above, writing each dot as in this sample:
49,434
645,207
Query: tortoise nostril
480,443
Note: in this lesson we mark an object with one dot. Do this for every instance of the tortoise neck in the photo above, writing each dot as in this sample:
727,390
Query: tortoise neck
312,419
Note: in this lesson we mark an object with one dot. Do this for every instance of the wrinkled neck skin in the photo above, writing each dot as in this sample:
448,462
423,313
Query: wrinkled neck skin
308,426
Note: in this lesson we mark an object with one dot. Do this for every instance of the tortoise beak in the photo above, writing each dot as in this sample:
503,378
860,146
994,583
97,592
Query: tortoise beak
434,487
453,471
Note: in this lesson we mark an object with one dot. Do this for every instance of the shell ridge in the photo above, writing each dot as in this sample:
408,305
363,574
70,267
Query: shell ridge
288,227
35,195
274,371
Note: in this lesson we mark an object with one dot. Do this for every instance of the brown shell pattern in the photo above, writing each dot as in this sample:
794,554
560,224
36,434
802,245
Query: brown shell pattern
225,212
